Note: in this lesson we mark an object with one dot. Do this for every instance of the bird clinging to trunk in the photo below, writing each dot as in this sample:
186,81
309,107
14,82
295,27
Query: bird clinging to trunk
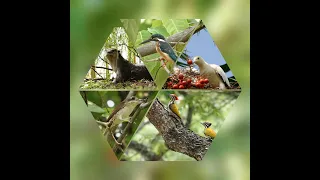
172,106
214,73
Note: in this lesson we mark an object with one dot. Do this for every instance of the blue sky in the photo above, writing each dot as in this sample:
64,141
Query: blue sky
201,44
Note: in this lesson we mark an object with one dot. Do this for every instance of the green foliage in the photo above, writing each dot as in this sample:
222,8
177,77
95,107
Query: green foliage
166,27
142,36
91,23
208,106
132,27
174,26
107,84
94,108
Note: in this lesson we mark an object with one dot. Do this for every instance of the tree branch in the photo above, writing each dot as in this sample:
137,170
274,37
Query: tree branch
144,151
136,112
96,72
102,67
189,115
183,37
176,136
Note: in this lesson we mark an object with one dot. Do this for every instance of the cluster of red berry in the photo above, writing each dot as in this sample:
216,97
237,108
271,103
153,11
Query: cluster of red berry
200,83
185,82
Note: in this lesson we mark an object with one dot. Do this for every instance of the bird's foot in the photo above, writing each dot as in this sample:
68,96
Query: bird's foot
114,138
105,124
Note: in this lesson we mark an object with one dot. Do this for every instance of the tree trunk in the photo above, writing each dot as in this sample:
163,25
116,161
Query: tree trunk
176,136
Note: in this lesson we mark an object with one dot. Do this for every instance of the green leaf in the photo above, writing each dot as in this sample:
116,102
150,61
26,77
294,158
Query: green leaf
159,30
174,26
94,108
131,27
156,23
142,36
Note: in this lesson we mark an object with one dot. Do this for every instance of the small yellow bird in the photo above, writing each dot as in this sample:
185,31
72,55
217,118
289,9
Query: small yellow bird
208,131
172,106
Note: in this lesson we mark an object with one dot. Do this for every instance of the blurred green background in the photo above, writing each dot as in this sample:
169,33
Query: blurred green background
229,25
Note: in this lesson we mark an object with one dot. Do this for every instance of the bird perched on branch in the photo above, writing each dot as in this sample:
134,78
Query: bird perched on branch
172,106
208,131
164,49
214,73
122,112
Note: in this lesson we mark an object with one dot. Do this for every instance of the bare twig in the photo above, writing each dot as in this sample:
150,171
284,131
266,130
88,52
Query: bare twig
189,115
102,67
136,112
103,59
96,72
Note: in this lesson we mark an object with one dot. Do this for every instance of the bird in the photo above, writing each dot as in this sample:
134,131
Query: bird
172,106
214,73
119,114
164,49
208,131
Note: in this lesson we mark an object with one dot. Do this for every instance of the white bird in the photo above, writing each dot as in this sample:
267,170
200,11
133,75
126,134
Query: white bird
214,73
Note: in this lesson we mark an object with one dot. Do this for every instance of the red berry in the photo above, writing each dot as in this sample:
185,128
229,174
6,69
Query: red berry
198,84
201,85
169,83
181,86
180,76
184,83
206,81
188,81
189,61
201,81
175,86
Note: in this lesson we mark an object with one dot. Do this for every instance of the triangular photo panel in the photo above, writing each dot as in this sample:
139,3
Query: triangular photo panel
180,126
118,66
118,114
206,67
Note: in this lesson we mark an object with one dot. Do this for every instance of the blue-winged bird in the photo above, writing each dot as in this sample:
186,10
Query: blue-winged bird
164,49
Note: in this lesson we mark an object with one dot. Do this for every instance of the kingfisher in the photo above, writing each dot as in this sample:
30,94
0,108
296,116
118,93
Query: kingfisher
172,106
208,131
164,49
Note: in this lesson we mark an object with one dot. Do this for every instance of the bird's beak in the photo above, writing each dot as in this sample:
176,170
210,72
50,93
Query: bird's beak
202,124
148,40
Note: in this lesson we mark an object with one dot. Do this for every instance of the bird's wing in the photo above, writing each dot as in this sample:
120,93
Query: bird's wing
168,48
221,73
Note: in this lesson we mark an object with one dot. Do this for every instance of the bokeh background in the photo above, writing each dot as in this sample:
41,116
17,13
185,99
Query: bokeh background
228,22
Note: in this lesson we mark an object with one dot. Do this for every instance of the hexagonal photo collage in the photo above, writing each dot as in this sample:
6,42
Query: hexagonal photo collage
159,90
